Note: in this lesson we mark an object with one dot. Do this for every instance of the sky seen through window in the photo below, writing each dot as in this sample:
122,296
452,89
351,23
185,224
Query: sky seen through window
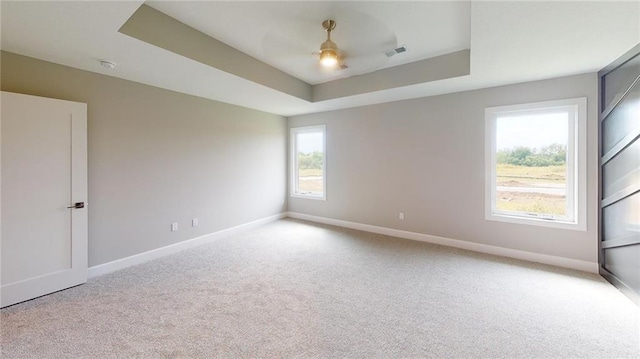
533,131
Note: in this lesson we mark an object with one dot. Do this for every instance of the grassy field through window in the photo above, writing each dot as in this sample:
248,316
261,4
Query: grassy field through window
539,190
310,176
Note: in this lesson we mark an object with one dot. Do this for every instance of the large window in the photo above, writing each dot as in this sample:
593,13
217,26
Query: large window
308,162
536,163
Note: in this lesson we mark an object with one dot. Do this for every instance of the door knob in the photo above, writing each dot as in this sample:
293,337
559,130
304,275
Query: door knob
77,205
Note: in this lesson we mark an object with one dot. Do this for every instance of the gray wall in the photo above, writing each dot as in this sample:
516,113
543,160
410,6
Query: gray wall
425,157
157,157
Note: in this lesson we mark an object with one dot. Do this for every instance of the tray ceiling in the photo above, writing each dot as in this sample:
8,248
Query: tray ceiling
509,42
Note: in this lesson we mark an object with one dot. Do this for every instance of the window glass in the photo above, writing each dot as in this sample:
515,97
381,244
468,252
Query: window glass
308,162
531,163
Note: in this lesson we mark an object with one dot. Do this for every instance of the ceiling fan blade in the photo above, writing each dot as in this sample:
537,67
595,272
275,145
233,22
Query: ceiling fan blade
294,38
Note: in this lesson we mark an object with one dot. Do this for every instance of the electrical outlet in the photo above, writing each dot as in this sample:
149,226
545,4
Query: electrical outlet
401,216
194,222
174,227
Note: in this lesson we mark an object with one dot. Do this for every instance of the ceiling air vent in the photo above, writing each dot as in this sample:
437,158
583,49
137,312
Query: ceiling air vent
397,50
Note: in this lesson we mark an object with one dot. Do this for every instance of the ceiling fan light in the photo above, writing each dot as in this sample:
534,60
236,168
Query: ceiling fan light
328,58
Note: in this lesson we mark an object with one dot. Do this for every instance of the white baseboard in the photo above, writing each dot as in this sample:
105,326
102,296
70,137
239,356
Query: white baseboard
113,266
584,266
118,264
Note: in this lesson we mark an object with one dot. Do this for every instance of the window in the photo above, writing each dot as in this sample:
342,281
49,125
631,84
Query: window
535,163
308,162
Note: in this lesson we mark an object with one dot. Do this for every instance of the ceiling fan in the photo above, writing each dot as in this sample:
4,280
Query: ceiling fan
330,57
360,45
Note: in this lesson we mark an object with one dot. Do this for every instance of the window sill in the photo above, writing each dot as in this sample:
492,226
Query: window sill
309,196
532,221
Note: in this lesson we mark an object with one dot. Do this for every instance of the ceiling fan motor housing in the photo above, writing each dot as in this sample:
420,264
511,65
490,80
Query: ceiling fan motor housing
328,45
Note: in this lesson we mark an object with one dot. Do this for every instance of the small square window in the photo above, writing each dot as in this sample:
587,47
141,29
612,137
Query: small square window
308,162
536,164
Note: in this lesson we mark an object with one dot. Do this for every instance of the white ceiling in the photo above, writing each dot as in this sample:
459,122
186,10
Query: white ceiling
286,34
510,42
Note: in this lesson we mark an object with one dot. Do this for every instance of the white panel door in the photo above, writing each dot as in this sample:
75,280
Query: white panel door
44,173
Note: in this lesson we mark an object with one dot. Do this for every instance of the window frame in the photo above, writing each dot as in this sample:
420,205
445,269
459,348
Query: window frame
293,145
576,194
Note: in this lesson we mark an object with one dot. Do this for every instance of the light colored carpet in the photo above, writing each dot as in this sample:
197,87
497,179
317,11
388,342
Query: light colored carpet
296,289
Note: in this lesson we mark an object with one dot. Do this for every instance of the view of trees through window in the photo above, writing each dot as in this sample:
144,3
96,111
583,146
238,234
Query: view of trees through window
310,162
531,164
